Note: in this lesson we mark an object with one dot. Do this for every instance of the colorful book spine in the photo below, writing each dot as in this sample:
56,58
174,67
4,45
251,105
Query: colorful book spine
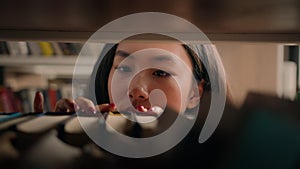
6,100
46,48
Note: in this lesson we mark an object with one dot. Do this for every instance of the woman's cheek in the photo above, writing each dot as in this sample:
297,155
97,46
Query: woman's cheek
177,96
173,96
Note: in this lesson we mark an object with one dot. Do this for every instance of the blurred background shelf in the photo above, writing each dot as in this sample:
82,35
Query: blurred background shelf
38,60
57,66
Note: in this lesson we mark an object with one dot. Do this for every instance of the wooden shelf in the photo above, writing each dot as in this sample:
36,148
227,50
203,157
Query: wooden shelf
58,66
82,36
233,20
37,60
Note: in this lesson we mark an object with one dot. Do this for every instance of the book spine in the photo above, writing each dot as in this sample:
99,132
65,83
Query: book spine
14,48
52,95
47,49
66,49
6,100
23,48
4,48
57,49
34,48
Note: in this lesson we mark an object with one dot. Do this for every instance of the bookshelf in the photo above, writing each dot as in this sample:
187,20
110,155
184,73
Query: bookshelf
51,67
263,23
47,66
7,60
58,60
250,66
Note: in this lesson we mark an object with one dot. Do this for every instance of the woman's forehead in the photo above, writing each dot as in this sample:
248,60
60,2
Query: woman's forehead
175,48
131,46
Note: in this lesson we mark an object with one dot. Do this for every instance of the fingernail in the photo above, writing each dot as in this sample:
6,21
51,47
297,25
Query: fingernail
141,108
92,110
76,107
156,109
112,107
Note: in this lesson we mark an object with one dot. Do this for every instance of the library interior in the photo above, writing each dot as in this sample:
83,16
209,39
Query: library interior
46,47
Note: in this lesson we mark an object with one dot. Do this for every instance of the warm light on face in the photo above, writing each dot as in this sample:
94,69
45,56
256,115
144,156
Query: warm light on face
138,69
131,27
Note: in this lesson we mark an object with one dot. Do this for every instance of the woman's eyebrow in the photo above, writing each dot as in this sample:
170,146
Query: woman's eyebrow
158,58
122,53
163,58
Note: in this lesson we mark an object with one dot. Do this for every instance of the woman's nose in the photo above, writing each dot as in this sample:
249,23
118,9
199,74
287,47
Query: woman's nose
138,89
138,94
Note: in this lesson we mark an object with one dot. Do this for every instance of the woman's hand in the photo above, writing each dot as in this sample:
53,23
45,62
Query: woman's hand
70,105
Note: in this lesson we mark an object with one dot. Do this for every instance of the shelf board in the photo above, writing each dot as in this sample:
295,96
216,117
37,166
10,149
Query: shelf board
54,66
83,36
255,20
38,60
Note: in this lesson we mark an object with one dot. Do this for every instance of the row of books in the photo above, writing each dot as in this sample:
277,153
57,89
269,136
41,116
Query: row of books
22,101
15,48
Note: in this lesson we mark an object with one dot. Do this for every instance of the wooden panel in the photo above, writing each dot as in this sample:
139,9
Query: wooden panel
252,67
220,19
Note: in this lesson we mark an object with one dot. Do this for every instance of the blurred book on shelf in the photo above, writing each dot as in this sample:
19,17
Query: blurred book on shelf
17,95
26,68
4,48
9,101
39,48
22,100
47,49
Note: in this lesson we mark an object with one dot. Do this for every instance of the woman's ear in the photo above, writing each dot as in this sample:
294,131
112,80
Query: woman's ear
196,94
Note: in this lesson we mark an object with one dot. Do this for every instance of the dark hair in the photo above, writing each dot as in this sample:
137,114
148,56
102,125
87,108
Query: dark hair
199,69
102,74
102,71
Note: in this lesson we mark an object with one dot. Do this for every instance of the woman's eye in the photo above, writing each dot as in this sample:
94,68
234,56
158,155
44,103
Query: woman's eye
161,73
123,68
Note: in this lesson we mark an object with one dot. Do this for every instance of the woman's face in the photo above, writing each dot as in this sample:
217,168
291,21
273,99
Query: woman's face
141,67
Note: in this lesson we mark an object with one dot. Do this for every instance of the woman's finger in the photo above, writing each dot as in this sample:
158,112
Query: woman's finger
85,105
38,103
66,105
106,107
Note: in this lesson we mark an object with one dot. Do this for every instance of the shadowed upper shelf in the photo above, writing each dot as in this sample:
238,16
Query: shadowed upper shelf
256,20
